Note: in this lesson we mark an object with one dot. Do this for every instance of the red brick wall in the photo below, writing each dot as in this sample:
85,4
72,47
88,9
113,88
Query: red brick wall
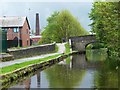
35,39
25,35
11,35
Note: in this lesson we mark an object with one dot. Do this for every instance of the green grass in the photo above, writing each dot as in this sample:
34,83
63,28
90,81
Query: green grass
67,48
67,51
11,68
56,48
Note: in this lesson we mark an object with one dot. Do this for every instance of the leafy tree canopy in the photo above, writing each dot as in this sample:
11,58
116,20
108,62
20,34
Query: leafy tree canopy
61,25
105,17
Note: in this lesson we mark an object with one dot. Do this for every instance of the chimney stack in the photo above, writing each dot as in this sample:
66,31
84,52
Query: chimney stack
37,25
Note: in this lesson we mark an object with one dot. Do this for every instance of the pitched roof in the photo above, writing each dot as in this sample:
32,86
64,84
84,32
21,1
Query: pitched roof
12,21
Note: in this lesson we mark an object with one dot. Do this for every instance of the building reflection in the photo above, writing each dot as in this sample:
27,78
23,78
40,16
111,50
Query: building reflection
38,78
27,83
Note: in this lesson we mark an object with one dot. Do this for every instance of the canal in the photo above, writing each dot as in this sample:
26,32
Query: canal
90,70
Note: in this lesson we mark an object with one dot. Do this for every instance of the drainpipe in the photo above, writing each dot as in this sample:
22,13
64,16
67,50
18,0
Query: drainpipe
18,37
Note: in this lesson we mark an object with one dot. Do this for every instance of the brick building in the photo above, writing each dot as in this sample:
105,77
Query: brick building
18,30
35,39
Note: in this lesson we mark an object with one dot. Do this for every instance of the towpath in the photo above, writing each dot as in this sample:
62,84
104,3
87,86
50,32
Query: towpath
17,61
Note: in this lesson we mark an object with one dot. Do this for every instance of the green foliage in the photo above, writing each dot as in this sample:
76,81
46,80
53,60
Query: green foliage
61,25
56,48
60,76
95,46
105,17
96,55
67,48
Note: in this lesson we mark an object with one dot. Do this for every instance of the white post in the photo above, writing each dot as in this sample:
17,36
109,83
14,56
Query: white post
18,32
70,45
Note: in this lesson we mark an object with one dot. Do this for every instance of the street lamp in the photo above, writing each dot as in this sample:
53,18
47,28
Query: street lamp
18,36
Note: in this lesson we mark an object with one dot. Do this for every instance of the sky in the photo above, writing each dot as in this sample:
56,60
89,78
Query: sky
79,9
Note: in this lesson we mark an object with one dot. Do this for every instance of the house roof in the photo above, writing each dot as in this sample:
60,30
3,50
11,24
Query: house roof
13,21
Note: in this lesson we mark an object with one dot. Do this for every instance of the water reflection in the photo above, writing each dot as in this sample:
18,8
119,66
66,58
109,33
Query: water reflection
62,76
25,84
78,71
38,79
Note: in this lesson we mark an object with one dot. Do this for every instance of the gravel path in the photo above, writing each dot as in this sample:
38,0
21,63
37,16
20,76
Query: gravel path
61,47
8,63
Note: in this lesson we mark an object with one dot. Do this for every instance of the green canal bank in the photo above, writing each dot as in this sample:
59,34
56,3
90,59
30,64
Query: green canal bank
14,72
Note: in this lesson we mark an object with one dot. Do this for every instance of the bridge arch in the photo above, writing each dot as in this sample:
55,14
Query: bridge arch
79,43
90,43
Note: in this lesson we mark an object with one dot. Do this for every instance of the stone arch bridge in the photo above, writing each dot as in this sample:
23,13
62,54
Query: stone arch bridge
79,43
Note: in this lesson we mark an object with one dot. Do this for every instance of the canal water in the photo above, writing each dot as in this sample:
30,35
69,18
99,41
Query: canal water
90,70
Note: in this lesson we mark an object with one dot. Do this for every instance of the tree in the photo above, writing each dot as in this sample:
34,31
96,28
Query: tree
61,25
105,17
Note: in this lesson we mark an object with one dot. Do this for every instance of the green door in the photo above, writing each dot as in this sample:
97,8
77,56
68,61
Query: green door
3,41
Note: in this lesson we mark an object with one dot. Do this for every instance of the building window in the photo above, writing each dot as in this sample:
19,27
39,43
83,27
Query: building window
15,30
5,29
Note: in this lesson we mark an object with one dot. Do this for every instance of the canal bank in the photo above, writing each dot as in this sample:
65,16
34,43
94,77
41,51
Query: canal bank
16,74
12,71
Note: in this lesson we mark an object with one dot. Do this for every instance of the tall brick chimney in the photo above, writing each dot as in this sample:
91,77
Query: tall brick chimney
37,25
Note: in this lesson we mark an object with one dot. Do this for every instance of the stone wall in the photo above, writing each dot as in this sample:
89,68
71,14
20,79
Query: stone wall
6,57
32,51
79,43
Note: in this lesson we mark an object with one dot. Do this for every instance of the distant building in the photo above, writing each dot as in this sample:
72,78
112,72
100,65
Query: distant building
37,37
18,30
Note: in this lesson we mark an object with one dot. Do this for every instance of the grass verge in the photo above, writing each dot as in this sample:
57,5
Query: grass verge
67,51
67,48
11,68
56,48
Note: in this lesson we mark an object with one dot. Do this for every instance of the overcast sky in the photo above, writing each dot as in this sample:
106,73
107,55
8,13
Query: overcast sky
79,9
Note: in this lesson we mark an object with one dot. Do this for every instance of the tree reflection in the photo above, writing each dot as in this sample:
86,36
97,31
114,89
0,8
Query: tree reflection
96,54
63,76
107,76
